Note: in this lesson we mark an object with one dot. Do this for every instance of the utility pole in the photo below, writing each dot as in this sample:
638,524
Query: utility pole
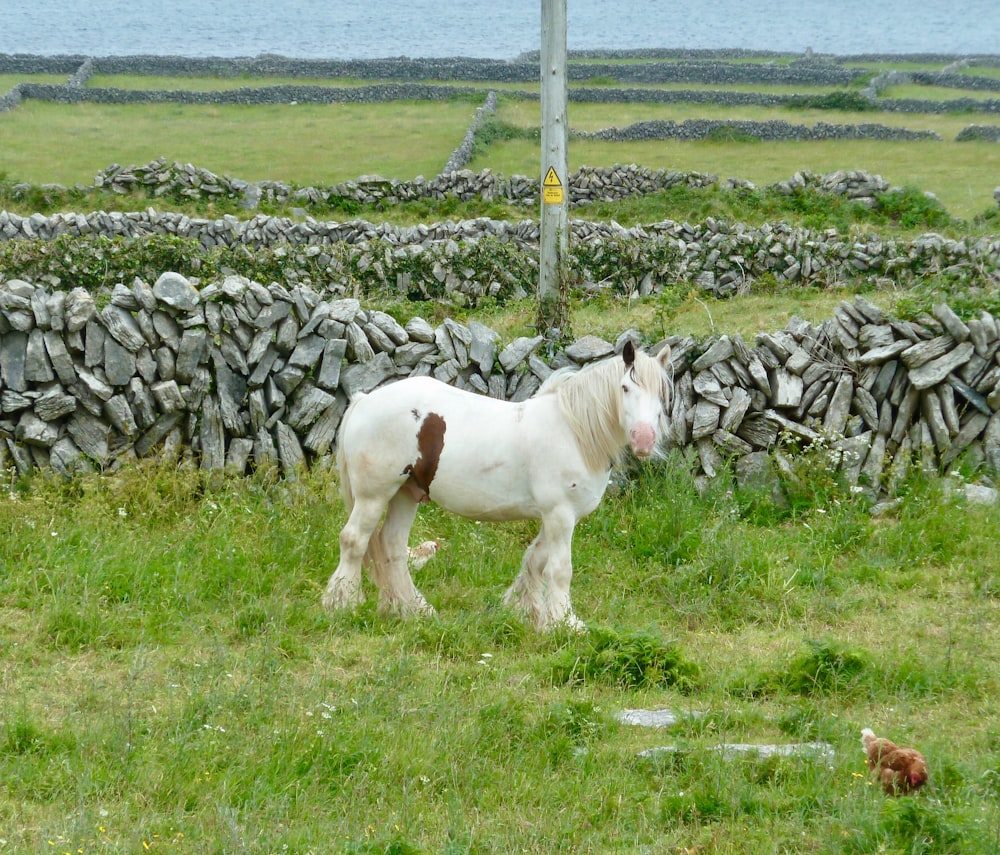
553,316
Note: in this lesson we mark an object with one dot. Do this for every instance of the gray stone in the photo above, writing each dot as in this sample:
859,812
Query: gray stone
839,408
290,453
238,454
80,309
734,750
518,350
31,430
321,435
191,353
934,371
37,368
365,376
786,388
53,405
65,458
951,322
706,419
346,311
272,315
119,413
588,349
307,405
167,329
176,292
119,363
358,346
94,384
13,353
718,352
419,330
706,385
123,327
387,324
660,718
167,395
212,435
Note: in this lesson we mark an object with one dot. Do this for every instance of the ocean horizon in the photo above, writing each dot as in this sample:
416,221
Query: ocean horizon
318,29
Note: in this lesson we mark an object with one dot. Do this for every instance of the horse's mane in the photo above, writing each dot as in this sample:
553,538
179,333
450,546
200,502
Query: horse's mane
590,399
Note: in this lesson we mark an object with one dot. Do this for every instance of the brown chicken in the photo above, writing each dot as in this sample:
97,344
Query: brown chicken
419,555
899,770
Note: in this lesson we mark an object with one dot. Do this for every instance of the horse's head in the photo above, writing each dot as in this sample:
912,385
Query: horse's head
644,386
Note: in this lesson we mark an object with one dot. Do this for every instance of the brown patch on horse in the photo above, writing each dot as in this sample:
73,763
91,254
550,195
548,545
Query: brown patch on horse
430,441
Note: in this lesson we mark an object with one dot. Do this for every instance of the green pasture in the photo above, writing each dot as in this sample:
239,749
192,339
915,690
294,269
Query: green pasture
592,116
959,174
309,144
689,314
172,685
317,145
9,81
920,92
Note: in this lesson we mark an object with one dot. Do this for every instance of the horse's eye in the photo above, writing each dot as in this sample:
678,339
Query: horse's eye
625,389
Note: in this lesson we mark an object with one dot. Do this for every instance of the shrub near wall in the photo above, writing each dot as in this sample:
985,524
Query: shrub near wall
467,260
237,374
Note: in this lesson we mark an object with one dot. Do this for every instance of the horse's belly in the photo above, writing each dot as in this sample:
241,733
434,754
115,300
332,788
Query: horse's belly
485,491
498,491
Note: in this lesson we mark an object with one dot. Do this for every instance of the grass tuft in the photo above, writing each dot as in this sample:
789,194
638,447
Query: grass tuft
624,659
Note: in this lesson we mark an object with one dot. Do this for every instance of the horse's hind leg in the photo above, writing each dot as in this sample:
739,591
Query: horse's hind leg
397,593
343,591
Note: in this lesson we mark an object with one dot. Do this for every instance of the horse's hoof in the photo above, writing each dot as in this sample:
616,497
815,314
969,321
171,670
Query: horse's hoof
405,609
340,597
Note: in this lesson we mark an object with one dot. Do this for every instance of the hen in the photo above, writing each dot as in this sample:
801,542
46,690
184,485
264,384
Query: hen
419,555
899,770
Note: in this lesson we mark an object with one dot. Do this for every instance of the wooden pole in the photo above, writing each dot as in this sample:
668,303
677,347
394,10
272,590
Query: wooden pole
553,318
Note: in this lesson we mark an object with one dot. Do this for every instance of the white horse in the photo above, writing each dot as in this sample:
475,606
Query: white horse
548,458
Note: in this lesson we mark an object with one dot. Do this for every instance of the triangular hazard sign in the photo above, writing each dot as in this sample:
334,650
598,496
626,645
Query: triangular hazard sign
551,179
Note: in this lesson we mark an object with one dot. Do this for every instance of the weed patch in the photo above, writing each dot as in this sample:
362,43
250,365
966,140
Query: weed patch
625,659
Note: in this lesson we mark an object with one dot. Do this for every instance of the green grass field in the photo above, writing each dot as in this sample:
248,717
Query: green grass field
171,683
309,144
318,145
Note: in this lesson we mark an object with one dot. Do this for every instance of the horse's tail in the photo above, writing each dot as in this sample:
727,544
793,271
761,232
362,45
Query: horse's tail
342,472
376,553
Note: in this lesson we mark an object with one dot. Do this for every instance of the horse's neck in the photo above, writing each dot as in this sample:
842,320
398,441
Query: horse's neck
588,400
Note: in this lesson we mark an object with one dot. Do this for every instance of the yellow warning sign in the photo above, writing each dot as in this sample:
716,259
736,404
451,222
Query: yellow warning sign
552,188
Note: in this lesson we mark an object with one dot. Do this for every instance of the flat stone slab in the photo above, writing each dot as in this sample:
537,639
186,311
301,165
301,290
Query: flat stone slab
732,750
655,718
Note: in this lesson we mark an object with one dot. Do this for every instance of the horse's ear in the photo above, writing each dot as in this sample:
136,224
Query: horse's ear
664,355
628,353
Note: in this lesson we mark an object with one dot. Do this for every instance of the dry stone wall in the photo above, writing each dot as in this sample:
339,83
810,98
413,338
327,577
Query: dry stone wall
237,374
431,261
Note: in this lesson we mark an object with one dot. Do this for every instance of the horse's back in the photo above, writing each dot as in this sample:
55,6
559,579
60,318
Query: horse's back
394,421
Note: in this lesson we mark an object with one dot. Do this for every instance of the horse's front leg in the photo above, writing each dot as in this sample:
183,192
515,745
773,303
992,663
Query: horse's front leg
558,572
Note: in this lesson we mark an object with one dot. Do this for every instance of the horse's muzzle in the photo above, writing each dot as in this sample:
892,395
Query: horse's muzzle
642,440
